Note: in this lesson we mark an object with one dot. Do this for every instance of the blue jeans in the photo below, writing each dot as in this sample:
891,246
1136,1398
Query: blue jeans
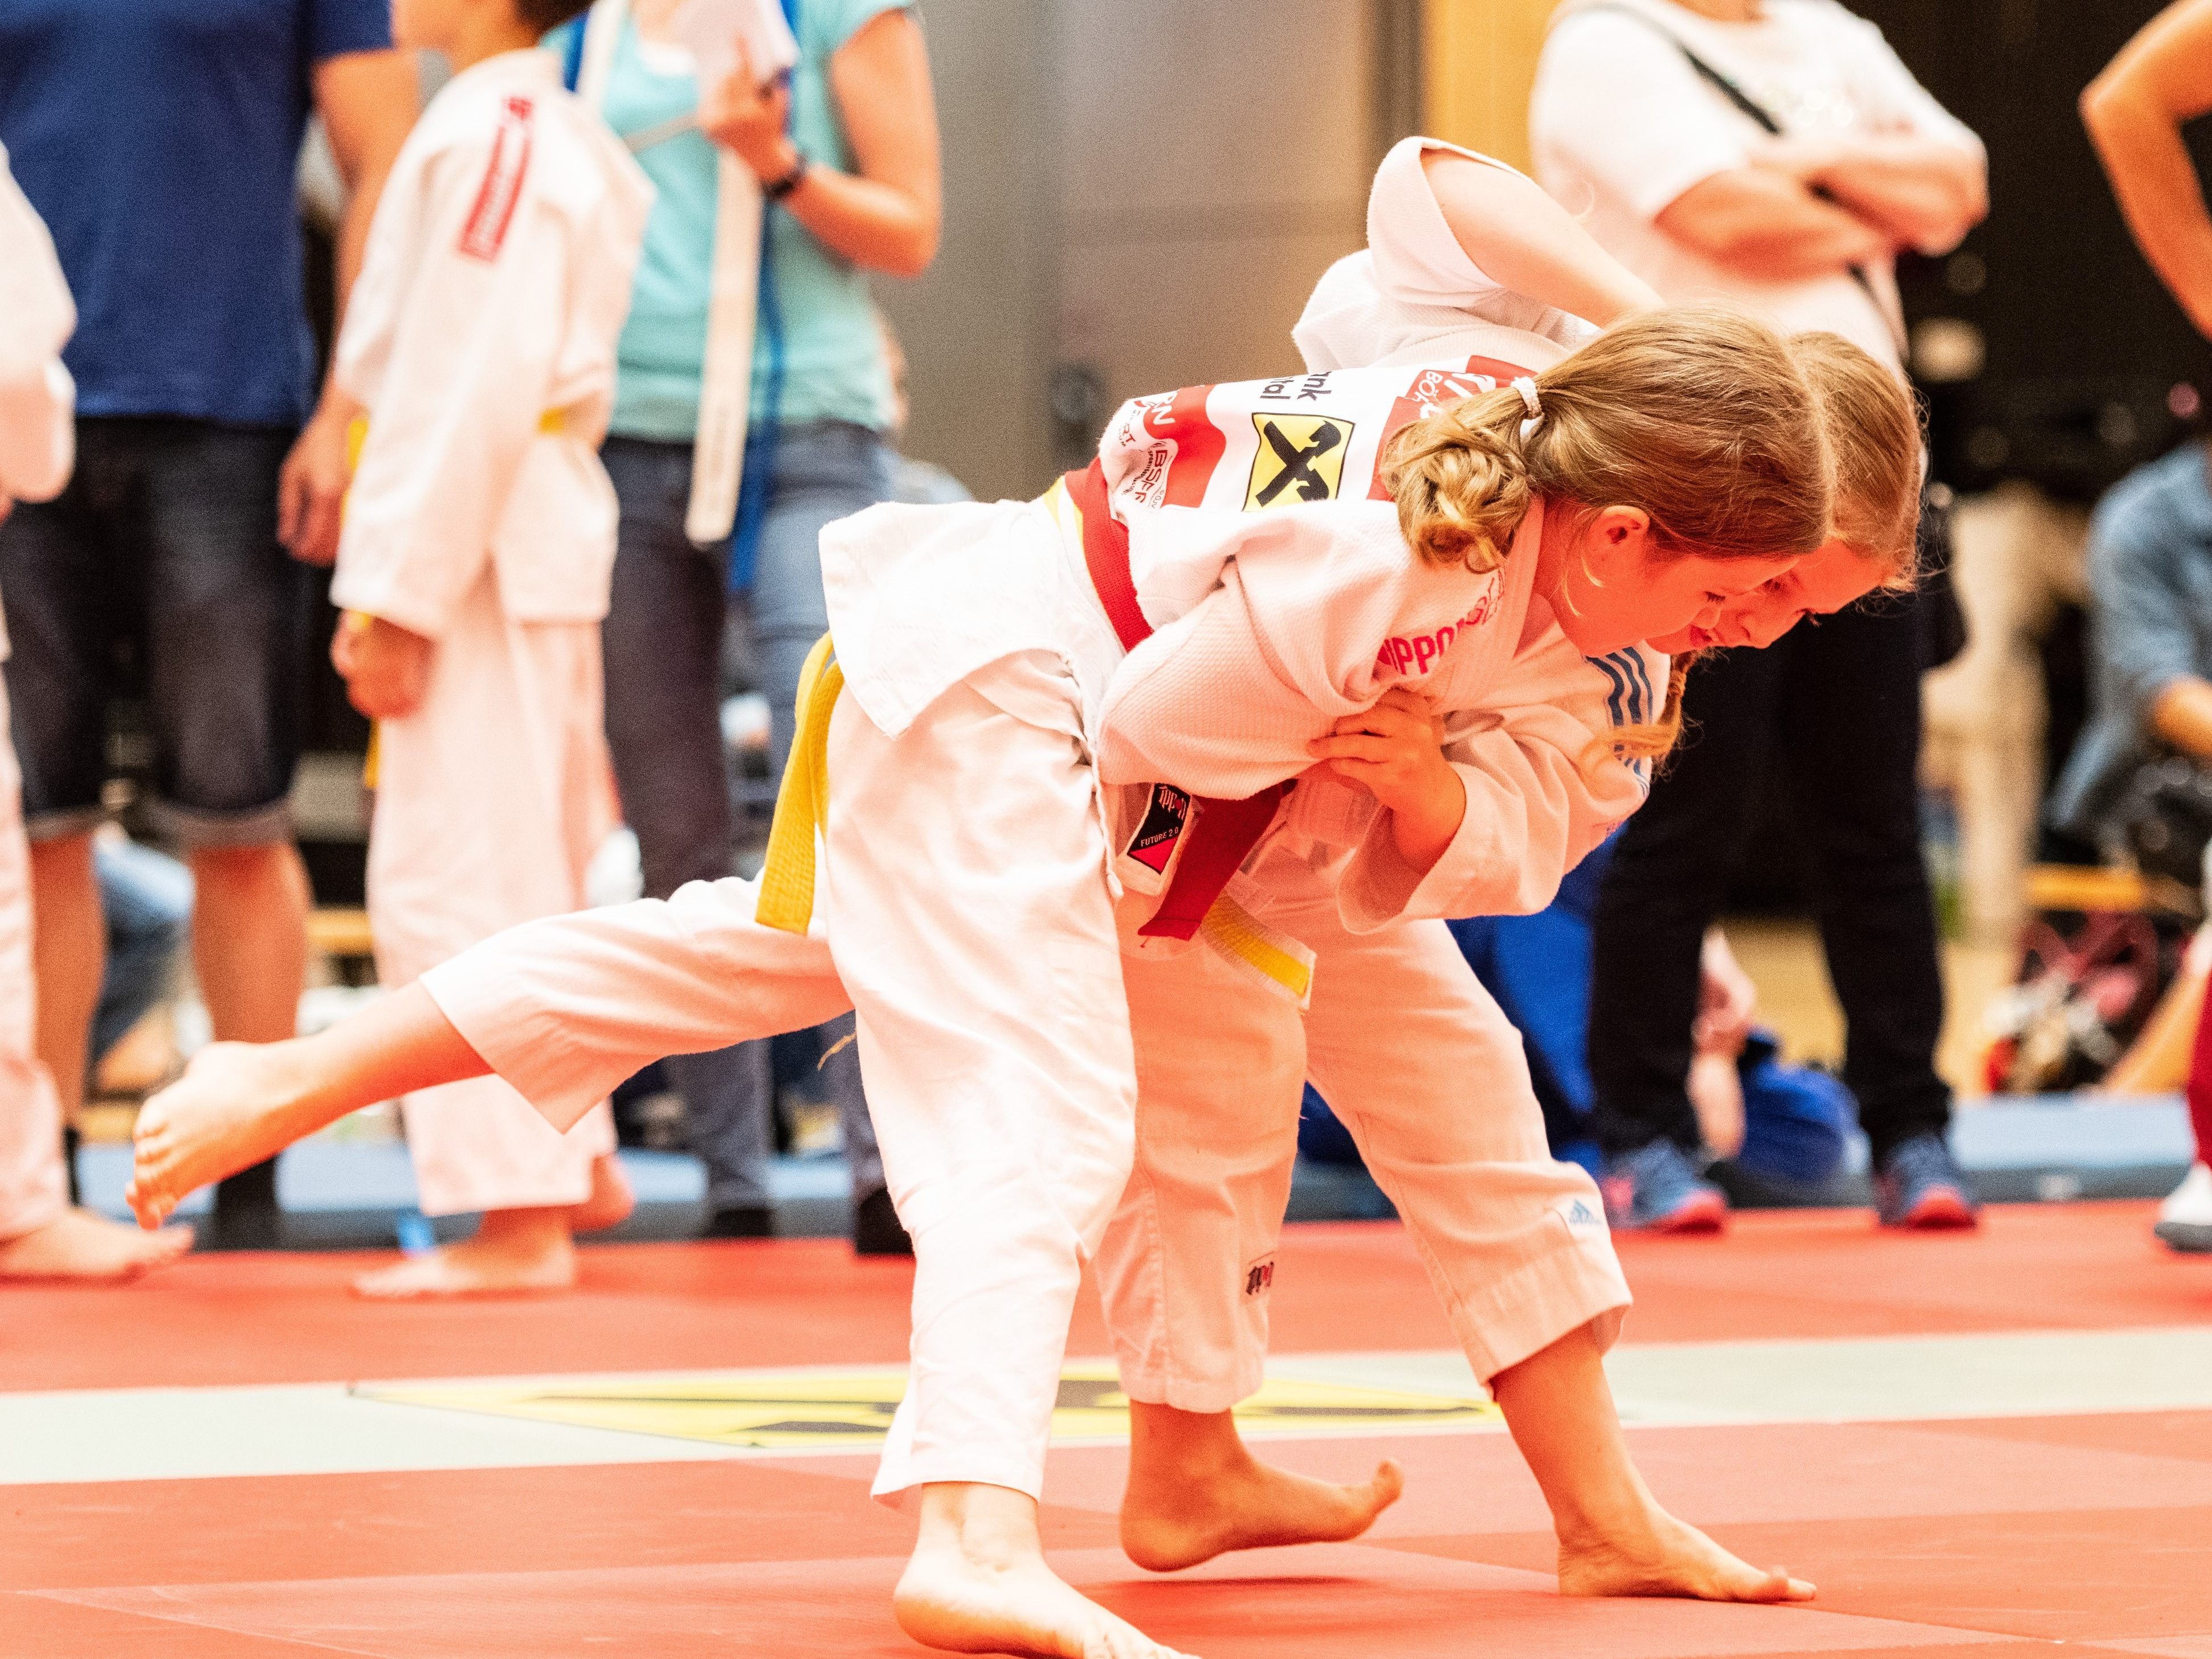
158,571
663,639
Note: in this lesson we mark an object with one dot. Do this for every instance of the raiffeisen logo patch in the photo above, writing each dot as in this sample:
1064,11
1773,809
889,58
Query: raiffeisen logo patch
1300,458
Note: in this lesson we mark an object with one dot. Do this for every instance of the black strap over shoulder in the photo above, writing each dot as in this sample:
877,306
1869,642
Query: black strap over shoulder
1752,111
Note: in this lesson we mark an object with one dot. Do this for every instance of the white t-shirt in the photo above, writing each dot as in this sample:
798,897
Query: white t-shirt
1621,125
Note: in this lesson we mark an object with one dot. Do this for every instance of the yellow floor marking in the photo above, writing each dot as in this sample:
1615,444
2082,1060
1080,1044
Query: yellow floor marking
847,1409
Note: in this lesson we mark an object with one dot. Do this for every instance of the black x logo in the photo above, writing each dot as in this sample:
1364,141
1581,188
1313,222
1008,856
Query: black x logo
1298,464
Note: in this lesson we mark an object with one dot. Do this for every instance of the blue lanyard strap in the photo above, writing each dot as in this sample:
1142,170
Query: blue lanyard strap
765,424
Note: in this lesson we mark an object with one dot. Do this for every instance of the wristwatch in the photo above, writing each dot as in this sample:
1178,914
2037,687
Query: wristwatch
776,190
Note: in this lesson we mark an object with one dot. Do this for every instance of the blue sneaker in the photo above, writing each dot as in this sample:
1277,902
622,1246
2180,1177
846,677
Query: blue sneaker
1654,1189
1921,1186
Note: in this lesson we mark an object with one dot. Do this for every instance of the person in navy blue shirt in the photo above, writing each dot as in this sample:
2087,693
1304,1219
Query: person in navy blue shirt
159,140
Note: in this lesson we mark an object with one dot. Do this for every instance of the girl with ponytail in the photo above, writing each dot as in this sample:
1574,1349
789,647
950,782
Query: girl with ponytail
968,757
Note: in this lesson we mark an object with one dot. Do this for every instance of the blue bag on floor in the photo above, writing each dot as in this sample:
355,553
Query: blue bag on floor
1797,1120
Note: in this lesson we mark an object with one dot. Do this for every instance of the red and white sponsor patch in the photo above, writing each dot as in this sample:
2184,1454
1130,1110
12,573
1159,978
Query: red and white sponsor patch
494,209
1417,655
1431,390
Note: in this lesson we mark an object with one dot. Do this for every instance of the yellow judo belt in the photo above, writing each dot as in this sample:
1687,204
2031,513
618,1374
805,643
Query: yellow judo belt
802,800
802,813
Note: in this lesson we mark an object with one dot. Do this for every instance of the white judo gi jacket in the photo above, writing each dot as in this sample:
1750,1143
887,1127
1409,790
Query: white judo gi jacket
37,446
1283,596
1407,1046
481,338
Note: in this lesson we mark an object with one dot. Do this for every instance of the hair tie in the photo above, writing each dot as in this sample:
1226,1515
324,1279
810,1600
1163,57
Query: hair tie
1531,401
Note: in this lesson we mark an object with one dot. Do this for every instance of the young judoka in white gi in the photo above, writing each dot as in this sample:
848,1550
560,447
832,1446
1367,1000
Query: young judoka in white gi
1433,1078
41,1235
473,569
967,907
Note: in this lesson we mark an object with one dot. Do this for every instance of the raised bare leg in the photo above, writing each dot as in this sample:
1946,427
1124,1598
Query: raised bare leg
978,1584
1195,1492
1614,1540
238,1102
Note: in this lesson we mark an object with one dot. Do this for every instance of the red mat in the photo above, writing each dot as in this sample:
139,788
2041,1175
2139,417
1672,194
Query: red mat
1993,1538
222,1319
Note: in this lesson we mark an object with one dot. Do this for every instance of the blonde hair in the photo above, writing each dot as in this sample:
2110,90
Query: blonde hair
1870,428
1700,417
1871,425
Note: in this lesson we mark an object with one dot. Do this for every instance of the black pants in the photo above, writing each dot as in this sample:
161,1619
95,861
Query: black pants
1832,713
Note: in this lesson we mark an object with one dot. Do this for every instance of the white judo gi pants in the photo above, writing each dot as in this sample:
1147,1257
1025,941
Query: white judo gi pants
34,1185
491,797
963,910
968,914
1417,1060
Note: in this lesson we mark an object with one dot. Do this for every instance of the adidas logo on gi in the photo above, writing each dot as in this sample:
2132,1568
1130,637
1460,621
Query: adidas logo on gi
1581,1212
1259,1277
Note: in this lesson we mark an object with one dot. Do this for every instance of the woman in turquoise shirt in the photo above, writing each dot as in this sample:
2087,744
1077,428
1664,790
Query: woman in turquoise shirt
847,154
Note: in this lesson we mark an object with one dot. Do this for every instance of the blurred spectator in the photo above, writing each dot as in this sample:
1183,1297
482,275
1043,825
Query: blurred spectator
160,139
42,1234
2152,662
1776,152
847,153
2150,642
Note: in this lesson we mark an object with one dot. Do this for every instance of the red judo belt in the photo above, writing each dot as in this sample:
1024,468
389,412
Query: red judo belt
1221,833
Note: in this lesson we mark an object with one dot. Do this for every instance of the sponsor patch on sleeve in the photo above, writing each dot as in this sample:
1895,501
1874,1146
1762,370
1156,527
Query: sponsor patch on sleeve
485,230
1144,863
1259,1277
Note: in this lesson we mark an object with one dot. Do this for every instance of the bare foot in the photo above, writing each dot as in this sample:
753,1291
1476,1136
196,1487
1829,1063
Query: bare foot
1195,1492
226,1112
1658,1555
78,1244
514,1253
978,1584
610,1201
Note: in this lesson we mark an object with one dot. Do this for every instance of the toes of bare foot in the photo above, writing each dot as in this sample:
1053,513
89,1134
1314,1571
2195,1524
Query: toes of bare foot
1781,1587
946,1601
1661,1556
1170,1524
1389,1484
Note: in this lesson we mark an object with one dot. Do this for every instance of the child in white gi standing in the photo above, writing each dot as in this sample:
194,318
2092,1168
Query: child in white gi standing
41,1236
473,569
